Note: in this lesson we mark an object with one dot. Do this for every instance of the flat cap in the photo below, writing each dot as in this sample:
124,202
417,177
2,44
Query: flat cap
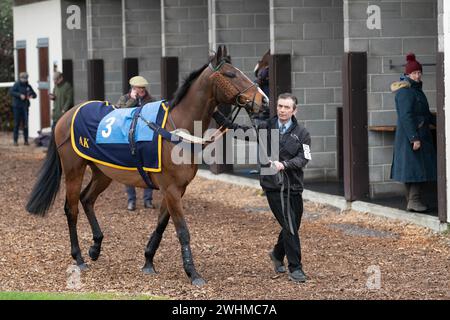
138,81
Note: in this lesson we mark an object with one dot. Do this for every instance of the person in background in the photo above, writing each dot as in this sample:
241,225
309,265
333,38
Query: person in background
414,162
137,96
21,92
262,79
62,97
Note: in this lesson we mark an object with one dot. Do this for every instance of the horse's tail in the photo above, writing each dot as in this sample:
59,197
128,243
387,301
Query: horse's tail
47,185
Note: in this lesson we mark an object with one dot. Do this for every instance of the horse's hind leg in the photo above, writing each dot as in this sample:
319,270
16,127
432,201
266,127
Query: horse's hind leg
173,198
74,179
96,186
155,238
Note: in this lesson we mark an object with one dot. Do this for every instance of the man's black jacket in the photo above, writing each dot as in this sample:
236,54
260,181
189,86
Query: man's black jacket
294,152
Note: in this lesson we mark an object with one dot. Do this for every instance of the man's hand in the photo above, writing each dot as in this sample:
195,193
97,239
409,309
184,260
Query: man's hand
22,96
416,145
278,165
52,96
133,94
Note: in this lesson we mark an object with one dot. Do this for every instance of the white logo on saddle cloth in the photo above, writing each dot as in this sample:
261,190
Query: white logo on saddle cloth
114,127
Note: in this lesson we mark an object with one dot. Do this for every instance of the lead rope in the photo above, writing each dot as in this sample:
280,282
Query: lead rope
287,213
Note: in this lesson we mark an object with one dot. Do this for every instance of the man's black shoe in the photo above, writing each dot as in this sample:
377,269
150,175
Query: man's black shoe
278,265
297,276
131,205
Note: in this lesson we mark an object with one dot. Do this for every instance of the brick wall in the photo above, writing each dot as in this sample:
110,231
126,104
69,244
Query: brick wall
105,42
186,33
243,26
143,39
312,32
74,47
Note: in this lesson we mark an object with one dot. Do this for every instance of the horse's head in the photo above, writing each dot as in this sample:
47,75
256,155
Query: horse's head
232,86
263,63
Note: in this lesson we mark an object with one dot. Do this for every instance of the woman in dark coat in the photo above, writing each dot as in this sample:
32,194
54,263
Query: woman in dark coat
414,154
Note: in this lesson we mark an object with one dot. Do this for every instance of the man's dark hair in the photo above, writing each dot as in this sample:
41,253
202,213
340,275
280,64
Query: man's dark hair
288,95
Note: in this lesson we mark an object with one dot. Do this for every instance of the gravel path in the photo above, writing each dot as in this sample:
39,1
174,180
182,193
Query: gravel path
232,231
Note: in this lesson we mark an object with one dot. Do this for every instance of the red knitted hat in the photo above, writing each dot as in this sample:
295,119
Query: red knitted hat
412,64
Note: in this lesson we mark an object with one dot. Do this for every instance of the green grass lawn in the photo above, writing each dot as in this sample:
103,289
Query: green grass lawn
74,296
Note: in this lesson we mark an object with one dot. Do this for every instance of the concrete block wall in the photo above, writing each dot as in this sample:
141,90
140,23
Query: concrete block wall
105,42
185,25
143,39
312,33
406,26
74,47
243,26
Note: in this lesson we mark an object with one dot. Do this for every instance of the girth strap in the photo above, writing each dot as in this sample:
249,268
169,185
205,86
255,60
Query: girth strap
132,142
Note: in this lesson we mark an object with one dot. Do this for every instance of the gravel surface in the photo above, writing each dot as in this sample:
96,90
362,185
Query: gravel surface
232,231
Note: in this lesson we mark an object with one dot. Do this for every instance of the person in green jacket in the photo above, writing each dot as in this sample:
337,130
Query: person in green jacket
62,96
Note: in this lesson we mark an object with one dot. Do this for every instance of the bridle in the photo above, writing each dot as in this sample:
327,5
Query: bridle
238,94
233,93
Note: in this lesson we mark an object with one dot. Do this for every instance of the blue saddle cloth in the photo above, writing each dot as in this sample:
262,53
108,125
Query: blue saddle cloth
100,134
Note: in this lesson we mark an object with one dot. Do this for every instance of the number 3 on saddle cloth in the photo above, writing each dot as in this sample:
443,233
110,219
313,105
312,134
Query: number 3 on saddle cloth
100,134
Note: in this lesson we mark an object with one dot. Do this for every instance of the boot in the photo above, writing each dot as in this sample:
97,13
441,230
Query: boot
131,205
414,199
407,189
149,204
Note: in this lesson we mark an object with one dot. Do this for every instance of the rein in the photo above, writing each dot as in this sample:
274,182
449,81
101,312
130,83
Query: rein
231,92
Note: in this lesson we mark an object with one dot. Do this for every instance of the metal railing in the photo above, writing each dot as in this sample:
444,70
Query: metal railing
393,66
6,84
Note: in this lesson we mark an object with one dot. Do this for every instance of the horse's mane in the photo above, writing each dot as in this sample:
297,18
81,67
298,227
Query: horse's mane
187,82
182,91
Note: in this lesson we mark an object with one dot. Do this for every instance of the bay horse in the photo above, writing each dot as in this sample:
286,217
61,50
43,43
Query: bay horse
217,82
263,63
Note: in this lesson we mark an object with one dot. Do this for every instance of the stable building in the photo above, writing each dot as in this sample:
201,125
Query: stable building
338,57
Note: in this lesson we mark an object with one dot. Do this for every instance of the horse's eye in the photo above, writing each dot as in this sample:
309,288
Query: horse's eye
229,74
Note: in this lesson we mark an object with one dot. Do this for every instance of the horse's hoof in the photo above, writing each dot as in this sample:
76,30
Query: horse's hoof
94,253
198,282
148,270
83,267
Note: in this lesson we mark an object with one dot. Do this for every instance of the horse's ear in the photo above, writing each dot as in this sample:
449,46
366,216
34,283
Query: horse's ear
225,52
219,54
213,58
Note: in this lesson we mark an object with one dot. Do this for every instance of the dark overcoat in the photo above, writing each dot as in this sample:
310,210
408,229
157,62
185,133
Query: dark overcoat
413,123
21,88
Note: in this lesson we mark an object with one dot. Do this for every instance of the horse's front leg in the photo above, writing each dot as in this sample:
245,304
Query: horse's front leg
155,238
173,200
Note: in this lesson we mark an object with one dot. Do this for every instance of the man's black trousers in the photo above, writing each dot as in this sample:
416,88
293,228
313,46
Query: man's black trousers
288,244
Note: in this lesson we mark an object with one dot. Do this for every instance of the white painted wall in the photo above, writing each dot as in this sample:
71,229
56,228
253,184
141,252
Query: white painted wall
27,28
446,46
